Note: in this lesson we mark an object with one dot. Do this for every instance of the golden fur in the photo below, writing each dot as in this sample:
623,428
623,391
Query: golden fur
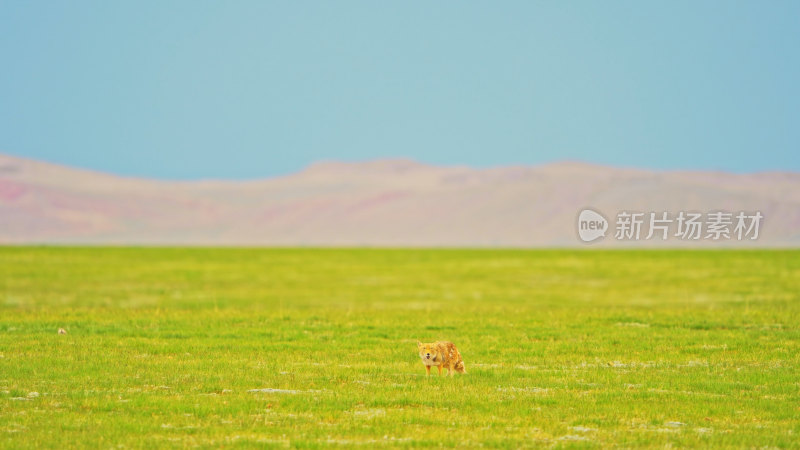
441,354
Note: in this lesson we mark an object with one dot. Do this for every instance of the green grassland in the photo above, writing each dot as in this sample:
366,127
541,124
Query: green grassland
317,347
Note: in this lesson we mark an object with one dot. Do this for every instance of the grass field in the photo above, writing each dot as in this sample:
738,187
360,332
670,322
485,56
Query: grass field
313,347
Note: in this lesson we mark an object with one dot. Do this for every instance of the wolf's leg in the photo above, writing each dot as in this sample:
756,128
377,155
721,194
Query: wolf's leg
427,370
440,370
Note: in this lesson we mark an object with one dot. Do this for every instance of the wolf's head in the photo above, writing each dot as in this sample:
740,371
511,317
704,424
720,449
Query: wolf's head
428,352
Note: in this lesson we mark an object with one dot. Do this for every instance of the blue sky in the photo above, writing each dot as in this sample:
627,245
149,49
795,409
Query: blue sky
201,89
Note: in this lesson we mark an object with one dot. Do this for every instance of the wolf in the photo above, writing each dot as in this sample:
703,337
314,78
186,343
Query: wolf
441,354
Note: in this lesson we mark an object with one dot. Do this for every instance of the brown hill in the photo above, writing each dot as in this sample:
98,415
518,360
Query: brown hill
380,203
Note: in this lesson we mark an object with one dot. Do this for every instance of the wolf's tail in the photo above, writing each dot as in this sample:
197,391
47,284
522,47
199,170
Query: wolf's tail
460,367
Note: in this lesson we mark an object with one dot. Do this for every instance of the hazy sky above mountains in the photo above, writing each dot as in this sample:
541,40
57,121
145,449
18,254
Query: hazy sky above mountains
196,89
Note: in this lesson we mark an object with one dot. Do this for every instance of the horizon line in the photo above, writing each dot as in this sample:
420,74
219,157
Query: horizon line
396,159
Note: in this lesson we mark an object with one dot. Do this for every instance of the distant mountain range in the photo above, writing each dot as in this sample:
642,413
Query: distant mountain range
380,203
